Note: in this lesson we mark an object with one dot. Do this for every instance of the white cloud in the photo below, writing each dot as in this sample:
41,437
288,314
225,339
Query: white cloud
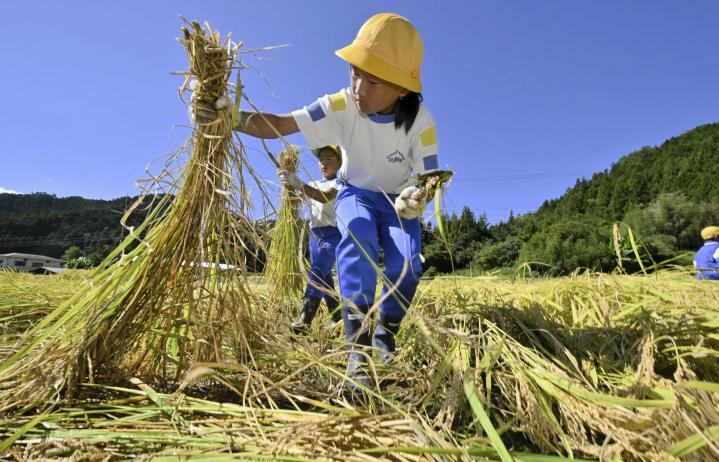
7,191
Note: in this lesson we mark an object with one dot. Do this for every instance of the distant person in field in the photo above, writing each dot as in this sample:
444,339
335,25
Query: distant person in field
706,260
324,237
387,137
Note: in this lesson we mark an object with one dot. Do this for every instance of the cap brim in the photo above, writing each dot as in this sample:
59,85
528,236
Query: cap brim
317,151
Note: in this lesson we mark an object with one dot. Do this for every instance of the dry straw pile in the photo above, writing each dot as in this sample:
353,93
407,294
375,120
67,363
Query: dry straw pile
174,292
591,367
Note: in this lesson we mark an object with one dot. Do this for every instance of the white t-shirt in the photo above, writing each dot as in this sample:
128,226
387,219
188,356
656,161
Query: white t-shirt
375,155
322,214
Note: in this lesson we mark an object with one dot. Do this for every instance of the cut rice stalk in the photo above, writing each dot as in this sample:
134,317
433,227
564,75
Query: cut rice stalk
176,295
285,259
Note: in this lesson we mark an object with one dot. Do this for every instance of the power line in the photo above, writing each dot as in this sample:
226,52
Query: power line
523,177
88,240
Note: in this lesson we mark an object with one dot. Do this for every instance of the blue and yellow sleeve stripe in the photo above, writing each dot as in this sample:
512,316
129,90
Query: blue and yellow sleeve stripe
427,138
337,103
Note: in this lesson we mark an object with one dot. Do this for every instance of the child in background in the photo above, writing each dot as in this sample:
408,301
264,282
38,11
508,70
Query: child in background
323,239
387,137
706,260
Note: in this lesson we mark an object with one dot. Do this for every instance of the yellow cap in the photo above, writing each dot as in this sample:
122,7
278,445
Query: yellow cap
332,147
710,232
389,47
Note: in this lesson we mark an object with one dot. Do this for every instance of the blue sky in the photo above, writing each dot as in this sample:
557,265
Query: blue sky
528,95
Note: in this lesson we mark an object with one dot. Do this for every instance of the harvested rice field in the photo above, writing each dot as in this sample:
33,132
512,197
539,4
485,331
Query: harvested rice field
171,349
592,367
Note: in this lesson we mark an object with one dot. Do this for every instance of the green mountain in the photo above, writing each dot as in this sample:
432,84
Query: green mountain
666,194
44,224
687,164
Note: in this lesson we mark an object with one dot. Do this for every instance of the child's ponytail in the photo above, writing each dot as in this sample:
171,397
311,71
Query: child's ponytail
406,110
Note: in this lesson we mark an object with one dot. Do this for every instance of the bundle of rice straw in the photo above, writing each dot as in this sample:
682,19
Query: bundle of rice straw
285,259
174,292
430,183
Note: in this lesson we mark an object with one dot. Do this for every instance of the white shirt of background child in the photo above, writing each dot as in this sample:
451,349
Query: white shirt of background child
322,214
375,155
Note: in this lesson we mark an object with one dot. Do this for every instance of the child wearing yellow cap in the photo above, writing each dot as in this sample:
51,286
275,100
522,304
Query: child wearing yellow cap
323,239
706,260
387,137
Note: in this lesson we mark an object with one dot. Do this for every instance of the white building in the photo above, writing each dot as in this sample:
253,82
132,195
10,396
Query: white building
29,262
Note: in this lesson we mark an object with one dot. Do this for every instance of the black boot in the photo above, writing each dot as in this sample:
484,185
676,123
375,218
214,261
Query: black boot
307,314
383,339
333,306
357,337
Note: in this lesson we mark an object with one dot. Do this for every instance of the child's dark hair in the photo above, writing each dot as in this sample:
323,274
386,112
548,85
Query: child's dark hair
406,110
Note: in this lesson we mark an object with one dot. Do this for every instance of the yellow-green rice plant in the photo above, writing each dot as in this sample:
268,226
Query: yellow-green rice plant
164,427
597,367
594,365
26,298
431,185
285,259
174,292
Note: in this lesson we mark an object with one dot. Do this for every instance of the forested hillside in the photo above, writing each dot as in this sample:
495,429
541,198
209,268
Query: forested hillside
44,224
665,193
685,164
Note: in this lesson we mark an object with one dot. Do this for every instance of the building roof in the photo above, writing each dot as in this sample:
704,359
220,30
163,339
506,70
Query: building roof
48,269
28,255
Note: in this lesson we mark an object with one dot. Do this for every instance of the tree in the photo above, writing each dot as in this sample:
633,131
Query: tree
497,254
72,253
570,244
75,258
671,224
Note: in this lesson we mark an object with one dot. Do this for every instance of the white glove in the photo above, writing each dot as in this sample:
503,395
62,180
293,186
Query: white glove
290,180
410,203
203,112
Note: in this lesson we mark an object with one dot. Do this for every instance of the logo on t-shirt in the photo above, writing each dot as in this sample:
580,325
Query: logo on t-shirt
395,157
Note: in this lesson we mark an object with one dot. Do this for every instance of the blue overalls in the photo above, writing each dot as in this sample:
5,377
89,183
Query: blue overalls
706,261
323,242
367,222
